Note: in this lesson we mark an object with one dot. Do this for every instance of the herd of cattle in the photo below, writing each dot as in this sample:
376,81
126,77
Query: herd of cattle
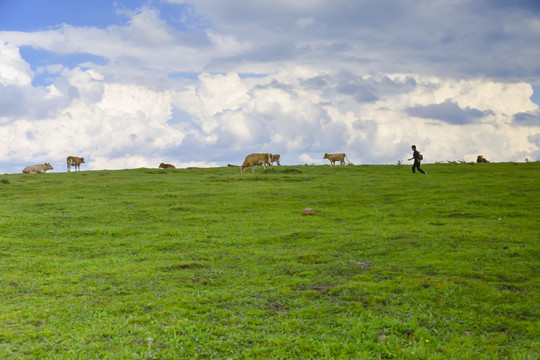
41,168
251,161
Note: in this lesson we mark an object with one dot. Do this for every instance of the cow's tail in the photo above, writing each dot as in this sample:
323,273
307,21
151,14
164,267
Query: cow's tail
346,158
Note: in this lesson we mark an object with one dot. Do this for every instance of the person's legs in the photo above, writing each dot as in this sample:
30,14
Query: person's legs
418,167
413,167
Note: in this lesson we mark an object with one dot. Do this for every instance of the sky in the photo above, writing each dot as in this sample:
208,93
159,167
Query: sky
203,83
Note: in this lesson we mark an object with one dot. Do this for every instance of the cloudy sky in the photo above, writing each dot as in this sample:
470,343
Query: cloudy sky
132,83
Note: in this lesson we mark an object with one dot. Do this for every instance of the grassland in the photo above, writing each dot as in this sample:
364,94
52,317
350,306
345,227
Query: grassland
214,264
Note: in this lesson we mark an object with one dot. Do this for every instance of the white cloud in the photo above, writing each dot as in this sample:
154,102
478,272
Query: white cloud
227,45
147,27
297,78
127,161
13,69
309,160
305,21
278,113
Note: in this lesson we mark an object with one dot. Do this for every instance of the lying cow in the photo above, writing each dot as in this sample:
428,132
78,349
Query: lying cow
230,165
253,160
275,158
335,157
481,159
74,161
37,169
166,166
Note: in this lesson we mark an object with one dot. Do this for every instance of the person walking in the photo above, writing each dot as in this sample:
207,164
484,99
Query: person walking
417,159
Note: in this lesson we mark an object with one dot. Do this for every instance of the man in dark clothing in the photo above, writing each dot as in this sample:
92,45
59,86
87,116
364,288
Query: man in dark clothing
416,157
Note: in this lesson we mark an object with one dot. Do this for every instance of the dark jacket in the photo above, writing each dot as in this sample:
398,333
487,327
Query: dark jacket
416,156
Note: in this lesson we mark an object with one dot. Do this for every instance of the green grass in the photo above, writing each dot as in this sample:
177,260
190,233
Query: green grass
214,264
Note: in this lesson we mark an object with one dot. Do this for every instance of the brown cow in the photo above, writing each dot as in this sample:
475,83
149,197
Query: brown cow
74,161
481,159
37,169
230,165
166,166
253,159
335,157
275,158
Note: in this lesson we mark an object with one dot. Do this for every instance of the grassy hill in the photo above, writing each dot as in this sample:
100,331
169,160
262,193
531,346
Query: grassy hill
214,264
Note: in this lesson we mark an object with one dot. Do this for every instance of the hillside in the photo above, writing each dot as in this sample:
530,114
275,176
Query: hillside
211,263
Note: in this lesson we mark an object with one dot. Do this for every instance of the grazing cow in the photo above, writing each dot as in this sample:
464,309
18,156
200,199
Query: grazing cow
335,157
481,159
37,169
275,158
74,161
253,159
166,166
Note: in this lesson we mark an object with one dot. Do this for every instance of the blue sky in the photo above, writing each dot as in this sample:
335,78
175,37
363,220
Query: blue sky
536,94
203,83
34,15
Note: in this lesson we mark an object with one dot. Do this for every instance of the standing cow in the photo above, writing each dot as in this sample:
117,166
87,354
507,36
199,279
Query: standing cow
335,157
74,161
275,158
37,169
253,159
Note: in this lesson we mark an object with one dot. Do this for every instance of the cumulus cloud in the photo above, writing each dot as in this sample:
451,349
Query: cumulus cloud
148,28
534,139
444,38
13,69
449,112
208,81
535,153
306,158
527,119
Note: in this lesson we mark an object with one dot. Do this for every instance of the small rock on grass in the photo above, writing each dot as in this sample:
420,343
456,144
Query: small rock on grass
362,263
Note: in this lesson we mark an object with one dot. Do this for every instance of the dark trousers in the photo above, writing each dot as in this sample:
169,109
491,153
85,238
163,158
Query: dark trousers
416,165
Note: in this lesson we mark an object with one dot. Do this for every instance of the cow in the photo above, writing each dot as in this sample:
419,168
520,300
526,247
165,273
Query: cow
253,159
230,165
259,163
335,157
275,158
74,161
37,169
481,159
166,166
